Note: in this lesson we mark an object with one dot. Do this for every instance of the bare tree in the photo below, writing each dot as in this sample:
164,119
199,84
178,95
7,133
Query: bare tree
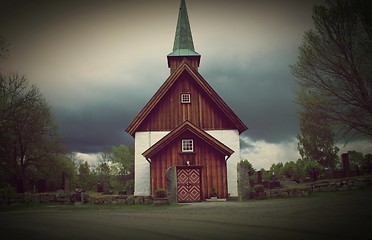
27,131
334,68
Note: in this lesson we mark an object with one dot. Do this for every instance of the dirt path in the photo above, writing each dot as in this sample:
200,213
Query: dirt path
325,216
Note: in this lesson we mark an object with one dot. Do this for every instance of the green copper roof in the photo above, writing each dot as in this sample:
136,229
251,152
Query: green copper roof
183,44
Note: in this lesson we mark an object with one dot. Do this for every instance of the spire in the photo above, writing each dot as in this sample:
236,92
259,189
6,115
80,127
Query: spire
183,44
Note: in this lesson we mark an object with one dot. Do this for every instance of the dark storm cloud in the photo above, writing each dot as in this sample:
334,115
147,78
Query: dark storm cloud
99,62
93,128
263,99
98,123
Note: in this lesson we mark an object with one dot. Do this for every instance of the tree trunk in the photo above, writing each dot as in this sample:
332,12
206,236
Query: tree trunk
20,184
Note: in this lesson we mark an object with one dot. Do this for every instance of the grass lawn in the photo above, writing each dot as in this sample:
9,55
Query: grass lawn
334,215
71,207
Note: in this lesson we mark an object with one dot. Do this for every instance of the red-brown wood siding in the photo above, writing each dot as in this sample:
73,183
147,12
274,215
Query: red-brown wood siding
170,112
213,172
176,61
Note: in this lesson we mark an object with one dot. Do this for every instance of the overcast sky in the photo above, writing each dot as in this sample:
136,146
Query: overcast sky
99,62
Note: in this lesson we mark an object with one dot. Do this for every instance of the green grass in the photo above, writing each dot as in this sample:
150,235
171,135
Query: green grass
83,207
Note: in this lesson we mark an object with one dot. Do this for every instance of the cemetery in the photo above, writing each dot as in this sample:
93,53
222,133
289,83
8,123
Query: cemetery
257,189
257,192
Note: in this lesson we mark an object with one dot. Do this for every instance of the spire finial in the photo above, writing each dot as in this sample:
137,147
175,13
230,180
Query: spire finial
183,43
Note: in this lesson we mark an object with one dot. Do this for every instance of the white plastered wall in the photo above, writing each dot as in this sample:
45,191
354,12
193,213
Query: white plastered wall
231,139
144,140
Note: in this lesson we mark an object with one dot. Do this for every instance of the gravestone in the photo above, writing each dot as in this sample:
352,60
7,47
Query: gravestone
346,164
243,182
171,182
274,182
99,186
65,182
259,177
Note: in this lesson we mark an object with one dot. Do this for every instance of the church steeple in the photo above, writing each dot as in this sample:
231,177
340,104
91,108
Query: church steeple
183,46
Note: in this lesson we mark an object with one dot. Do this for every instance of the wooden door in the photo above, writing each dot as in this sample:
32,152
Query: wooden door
188,184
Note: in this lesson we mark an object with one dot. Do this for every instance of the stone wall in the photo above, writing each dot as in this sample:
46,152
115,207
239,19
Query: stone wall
70,198
341,184
21,198
288,192
319,186
120,199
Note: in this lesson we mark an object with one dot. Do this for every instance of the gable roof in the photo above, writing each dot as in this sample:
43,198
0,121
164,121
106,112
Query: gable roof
185,66
184,127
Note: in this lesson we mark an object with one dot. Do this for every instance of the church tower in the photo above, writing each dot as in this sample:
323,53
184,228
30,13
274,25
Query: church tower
187,128
183,46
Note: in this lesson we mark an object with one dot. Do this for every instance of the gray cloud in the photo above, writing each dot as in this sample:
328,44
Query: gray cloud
262,98
98,63
93,128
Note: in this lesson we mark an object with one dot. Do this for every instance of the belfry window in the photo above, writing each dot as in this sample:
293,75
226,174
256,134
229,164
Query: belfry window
185,98
187,145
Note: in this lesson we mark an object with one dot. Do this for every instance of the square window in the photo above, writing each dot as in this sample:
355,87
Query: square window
187,145
185,98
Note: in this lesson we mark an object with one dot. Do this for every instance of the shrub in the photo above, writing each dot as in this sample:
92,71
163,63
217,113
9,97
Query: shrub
313,168
129,187
7,190
250,195
160,193
213,192
259,191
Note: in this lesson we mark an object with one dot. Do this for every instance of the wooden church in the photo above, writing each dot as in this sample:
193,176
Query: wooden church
186,125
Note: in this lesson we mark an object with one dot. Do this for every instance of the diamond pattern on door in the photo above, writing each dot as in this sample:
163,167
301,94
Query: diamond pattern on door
188,184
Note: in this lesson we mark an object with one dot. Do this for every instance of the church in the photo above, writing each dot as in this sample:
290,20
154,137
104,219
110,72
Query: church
188,126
